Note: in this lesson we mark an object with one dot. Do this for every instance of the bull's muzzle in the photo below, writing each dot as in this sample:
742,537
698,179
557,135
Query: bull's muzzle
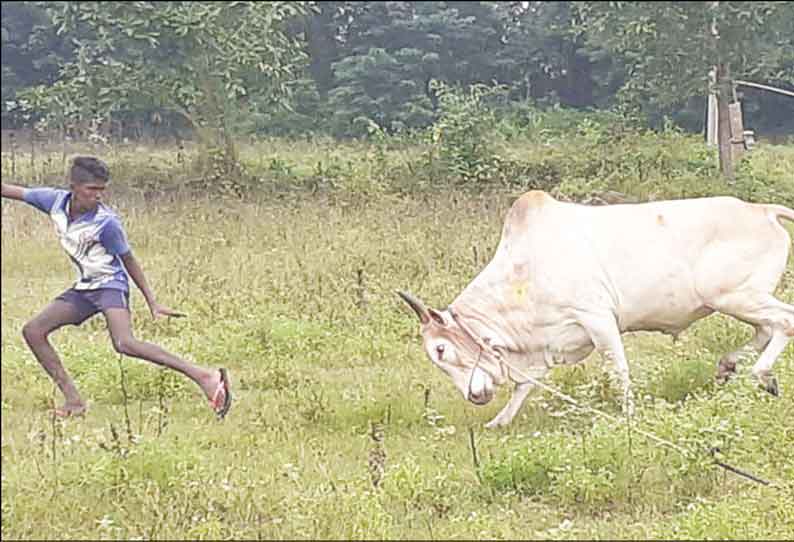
480,399
480,389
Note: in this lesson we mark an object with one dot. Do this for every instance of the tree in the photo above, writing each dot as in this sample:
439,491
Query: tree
322,40
388,52
545,56
392,50
201,60
672,46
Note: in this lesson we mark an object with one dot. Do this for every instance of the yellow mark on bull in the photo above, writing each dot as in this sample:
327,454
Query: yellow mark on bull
519,291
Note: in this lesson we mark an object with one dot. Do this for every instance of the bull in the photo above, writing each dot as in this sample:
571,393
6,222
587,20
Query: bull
567,279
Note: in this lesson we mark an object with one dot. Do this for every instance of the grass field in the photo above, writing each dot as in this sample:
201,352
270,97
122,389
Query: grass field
341,428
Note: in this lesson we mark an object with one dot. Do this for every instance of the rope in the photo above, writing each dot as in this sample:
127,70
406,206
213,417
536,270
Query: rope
683,451
572,401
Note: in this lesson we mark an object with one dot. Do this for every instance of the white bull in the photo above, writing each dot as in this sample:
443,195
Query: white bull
568,278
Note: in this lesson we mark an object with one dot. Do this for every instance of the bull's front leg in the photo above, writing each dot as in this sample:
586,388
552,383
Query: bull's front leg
622,368
604,332
512,407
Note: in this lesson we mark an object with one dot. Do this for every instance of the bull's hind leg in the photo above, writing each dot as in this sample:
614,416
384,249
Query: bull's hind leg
727,364
762,369
763,310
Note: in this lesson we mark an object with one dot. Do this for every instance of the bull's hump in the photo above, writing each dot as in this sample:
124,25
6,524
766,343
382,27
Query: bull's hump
528,204
533,199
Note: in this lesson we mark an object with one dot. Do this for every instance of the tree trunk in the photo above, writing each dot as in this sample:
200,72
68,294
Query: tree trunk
724,95
322,46
217,148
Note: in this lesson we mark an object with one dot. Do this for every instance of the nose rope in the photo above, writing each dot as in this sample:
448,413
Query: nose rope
502,364
481,346
479,354
471,375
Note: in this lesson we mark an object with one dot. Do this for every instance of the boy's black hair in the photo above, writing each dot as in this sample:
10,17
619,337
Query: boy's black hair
86,169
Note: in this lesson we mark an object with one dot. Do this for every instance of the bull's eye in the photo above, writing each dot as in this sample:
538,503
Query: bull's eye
440,350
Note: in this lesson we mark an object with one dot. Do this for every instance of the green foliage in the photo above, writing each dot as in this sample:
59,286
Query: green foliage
765,176
546,57
380,86
32,52
393,50
296,68
304,113
679,380
203,53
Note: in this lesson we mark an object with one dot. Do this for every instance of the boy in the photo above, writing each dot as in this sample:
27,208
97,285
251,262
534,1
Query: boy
93,238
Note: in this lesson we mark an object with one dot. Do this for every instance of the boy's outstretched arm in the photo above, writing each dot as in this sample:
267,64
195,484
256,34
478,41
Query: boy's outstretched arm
136,273
12,191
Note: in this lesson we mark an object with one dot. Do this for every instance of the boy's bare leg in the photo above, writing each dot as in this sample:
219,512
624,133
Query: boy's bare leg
120,327
57,314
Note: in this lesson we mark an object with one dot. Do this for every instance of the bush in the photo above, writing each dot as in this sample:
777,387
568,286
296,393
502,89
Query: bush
460,136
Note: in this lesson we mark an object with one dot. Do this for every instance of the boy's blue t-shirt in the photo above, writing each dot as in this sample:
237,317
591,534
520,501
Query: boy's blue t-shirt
94,241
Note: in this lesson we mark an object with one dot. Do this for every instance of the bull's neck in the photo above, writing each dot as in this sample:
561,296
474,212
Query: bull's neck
486,315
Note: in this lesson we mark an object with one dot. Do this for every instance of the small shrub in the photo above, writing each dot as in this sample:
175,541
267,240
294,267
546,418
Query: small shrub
460,135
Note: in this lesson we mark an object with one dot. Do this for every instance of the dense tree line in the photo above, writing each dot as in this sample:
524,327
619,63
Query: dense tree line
297,67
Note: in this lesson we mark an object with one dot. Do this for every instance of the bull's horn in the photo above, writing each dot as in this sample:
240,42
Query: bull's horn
416,305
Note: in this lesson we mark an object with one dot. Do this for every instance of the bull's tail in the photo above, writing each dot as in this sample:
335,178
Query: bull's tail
780,211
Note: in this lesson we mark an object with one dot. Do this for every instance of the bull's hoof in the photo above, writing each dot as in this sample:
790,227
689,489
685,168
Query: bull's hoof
496,423
725,370
772,387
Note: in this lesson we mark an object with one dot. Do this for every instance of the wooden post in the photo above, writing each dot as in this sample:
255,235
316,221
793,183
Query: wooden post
737,131
723,121
33,152
724,92
711,116
712,119
13,156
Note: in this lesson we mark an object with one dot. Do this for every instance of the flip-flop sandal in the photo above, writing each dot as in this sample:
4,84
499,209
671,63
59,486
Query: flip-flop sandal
223,387
66,413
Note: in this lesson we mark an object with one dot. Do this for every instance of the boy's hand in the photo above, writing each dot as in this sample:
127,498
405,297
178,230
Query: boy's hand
161,310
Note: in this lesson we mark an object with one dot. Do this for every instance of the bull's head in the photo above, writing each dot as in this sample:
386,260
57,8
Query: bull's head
452,347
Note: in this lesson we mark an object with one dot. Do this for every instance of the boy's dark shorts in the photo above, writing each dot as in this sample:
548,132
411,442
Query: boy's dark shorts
90,302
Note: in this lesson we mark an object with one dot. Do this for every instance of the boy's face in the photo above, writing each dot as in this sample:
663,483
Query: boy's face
87,195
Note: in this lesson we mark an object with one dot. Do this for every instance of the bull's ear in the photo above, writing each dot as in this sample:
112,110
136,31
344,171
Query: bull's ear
437,316
418,307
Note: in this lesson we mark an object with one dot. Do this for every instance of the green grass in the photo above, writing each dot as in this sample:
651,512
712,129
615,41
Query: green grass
316,356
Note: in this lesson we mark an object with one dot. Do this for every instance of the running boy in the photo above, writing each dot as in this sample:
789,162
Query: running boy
93,238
